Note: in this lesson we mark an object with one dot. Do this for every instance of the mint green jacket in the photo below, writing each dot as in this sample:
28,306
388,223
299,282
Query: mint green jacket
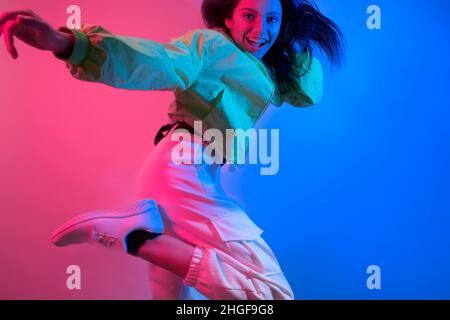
212,79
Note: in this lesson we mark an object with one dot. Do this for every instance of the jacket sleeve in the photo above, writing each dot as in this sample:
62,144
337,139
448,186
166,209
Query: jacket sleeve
134,63
307,90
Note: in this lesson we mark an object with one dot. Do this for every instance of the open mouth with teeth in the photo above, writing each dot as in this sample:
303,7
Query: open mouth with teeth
256,43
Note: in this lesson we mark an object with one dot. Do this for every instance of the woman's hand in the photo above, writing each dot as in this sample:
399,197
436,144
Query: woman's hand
33,30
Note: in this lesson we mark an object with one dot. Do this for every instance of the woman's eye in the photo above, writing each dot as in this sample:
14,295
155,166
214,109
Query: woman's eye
249,17
272,19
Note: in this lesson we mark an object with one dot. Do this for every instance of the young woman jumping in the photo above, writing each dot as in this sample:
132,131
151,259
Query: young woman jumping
198,241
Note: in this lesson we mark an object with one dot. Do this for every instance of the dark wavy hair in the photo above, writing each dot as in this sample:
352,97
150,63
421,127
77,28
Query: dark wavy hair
302,22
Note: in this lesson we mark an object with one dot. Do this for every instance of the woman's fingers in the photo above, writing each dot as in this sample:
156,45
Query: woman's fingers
12,15
30,22
9,29
22,24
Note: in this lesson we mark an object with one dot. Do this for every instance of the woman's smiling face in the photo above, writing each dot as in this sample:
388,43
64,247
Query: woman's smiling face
255,25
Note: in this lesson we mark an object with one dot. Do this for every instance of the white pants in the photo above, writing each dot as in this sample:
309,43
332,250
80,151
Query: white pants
230,260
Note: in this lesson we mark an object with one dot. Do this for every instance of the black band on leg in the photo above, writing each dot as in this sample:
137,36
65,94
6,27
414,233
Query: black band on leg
137,238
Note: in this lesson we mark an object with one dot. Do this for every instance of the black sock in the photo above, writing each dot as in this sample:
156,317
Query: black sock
137,238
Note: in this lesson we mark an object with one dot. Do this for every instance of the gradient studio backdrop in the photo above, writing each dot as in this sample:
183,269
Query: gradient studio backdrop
364,176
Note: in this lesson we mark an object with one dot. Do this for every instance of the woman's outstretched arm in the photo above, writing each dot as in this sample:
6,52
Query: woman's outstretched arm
134,63
96,55
35,31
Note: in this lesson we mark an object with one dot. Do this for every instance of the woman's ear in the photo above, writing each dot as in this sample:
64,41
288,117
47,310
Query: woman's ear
228,23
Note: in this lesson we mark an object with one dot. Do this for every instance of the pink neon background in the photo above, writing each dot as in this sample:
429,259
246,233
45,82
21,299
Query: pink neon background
69,147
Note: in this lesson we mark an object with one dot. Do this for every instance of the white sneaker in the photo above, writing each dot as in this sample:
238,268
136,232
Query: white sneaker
110,228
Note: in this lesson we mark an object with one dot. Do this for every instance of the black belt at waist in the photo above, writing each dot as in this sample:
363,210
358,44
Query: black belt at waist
165,129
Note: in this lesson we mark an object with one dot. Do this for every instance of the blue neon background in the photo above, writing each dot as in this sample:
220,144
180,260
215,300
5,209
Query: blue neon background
365,175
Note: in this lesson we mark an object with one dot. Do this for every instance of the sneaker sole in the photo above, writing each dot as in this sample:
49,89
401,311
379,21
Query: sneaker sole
140,208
